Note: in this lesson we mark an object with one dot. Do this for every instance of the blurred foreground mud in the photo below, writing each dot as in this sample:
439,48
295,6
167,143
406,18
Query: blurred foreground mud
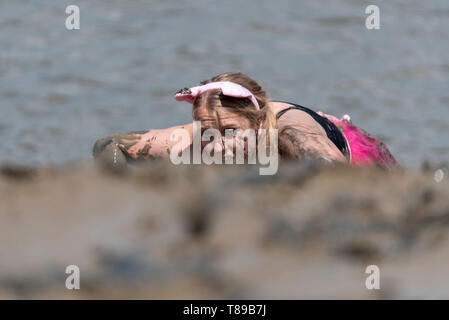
223,232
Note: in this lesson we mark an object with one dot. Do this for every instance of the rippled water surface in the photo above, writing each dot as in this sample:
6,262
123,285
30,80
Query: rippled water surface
60,90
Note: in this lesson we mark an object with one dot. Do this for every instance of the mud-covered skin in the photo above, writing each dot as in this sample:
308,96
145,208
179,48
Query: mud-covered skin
100,145
138,145
128,141
118,148
301,136
295,144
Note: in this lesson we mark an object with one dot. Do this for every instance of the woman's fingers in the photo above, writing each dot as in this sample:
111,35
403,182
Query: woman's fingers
347,118
107,152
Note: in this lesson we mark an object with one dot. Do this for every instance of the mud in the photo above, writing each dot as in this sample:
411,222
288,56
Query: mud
162,231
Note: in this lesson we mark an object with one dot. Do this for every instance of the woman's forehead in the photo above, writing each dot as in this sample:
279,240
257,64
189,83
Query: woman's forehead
206,115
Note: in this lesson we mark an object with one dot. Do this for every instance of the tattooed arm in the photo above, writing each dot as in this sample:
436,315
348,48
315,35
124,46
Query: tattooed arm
295,144
139,145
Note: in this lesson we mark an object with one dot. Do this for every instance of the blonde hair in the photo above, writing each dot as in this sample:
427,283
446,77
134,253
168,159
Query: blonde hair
241,106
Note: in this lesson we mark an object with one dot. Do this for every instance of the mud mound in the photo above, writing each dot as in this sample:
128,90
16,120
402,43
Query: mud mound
222,232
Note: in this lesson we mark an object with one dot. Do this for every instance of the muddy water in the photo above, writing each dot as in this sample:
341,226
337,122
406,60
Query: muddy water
60,90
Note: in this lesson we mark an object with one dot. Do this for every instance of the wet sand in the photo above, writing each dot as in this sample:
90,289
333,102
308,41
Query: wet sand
222,232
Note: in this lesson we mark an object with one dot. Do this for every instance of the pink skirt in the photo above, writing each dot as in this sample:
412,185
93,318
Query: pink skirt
365,149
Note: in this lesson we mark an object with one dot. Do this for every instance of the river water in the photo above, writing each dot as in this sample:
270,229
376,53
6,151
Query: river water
60,90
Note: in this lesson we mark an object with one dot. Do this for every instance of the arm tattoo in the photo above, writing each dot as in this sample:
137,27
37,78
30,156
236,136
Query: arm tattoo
295,144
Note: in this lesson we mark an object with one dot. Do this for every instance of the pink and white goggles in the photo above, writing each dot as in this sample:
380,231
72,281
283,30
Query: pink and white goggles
228,88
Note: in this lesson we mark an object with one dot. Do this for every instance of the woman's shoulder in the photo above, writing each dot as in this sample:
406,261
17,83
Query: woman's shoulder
277,106
293,115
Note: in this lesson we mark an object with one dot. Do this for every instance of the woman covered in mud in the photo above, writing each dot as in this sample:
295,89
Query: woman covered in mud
236,101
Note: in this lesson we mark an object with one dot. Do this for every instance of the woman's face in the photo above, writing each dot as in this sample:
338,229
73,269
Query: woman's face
228,120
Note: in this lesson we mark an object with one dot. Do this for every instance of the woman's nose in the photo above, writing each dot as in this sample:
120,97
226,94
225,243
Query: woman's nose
228,145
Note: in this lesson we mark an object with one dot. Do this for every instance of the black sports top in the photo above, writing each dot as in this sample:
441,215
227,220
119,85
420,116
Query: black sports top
332,132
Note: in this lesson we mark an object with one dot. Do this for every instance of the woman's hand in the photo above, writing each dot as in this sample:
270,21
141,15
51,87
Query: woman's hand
137,145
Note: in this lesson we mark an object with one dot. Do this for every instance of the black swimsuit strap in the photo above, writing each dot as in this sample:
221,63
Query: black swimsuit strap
332,132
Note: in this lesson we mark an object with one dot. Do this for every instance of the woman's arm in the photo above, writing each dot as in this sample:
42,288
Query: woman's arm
138,145
296,144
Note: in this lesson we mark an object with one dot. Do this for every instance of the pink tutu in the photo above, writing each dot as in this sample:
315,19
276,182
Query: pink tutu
366,150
